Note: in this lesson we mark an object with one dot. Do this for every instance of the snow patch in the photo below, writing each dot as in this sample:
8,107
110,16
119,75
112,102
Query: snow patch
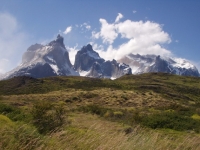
83,73
182,63
113,78
94,55
51,59
55,68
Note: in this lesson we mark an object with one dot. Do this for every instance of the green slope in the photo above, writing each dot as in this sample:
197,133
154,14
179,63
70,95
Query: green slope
86,113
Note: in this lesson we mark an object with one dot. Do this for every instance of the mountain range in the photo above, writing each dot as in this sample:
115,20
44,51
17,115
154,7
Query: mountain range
155,63
53,60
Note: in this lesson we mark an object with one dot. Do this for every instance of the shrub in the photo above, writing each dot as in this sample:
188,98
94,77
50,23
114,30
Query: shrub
75,98
124,97
5,109
47,117
118,114
94,109
136,117
171,120
14,113
128,129
108,114
89,95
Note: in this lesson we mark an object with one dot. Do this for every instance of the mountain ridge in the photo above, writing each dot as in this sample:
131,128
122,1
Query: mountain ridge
90,64
53,60
156,63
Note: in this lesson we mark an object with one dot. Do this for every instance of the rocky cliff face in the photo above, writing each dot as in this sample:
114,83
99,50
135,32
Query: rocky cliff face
43,61
85,58
89,63
152,63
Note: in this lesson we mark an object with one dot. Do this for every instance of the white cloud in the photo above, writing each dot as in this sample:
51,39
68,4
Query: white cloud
134,11
88,27
142,37
108,32
95,35
85,27
148,31
72,53
120,16
68,30
13,42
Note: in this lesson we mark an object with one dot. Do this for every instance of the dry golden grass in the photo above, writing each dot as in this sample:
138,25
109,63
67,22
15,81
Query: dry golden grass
147,93
91,132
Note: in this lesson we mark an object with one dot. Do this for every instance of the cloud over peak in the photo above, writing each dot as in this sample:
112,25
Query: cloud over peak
142,37
68,30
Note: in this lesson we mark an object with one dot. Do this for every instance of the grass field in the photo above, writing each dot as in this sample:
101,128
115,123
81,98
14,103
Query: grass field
149,111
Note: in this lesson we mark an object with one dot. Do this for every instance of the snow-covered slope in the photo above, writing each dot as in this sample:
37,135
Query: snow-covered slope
89,63
152,63
43,61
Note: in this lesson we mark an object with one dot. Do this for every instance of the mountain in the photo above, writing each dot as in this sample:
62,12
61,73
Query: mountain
43,61
53,60
152,63
89,63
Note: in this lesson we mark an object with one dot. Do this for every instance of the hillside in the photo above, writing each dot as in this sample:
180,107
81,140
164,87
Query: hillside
148,111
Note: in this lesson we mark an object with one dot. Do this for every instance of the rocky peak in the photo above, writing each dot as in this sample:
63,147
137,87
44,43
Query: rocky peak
43,61
87,48
114,61
89,63
86,57
59,41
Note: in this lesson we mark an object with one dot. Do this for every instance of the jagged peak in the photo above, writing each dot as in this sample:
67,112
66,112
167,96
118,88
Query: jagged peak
87,48
59,40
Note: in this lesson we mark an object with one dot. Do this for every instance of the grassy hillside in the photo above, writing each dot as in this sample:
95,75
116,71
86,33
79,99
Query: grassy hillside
148,111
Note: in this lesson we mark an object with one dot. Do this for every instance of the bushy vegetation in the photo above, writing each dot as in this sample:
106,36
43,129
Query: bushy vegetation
47,117
171,120
179,119
103,114
14,113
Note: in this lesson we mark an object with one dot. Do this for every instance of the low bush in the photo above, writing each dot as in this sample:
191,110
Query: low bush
89,95
47,117
171,120
15,114
94,109
118,114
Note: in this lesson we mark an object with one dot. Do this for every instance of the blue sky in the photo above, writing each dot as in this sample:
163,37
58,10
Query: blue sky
113,27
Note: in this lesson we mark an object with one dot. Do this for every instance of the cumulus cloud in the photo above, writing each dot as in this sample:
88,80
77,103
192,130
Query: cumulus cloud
68,30
12,42
142,37
108,32
120,16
